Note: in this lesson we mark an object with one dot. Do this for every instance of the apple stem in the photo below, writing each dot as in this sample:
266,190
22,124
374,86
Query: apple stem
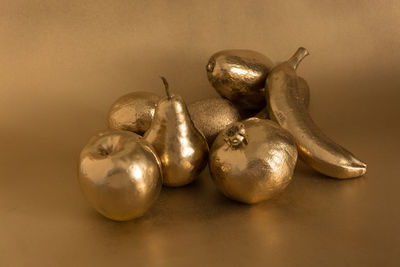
166,87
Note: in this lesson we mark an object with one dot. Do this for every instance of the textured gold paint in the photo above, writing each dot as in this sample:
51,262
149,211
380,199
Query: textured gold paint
63,63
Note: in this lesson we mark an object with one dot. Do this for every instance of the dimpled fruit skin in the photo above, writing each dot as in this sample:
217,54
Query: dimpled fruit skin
257,169
133,112
239,75
212,115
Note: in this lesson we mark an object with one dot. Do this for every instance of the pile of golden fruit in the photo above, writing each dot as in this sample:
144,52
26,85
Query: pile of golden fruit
154,141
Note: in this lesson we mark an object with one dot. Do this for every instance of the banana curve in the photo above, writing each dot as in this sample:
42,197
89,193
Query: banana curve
315,148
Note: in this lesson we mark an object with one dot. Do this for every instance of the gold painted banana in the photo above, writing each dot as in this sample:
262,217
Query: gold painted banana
303,96
315,148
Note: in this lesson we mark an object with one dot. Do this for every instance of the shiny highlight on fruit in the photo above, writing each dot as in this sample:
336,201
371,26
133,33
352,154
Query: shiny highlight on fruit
182,149
252,160
119,174
303,97
133,112
239,75
315,148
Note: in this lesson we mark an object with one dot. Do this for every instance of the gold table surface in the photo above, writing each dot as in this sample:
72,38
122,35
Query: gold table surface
63,63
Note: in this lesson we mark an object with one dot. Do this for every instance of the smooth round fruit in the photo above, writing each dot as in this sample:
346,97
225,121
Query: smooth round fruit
239,75
119,174
212,115
252,160
133,112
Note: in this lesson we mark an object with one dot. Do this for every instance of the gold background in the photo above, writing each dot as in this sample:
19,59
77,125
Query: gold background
62,64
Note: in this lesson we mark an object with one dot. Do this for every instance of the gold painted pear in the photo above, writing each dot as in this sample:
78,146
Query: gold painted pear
182,149
315,148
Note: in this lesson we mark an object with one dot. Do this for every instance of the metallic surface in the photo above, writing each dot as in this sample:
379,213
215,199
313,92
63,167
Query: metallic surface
239,75
252,160
182,149
133,112
303,97
64,62
315,148
212,115
119,174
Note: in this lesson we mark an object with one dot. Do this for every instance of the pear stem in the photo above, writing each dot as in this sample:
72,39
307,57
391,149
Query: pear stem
295,60
166,87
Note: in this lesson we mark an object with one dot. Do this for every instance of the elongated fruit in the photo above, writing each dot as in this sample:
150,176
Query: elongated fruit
315,148
303,97
239,75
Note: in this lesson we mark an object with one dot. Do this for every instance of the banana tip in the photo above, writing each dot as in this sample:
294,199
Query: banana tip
360,167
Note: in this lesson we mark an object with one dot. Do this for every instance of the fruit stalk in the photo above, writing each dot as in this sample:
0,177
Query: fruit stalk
295,60
166,87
